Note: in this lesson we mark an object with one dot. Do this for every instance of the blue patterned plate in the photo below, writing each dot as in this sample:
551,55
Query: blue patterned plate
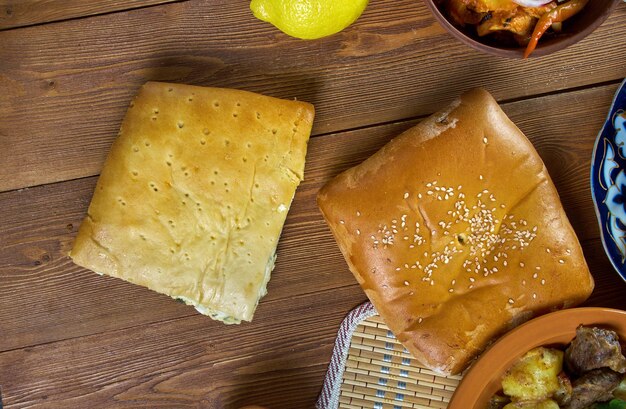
608,181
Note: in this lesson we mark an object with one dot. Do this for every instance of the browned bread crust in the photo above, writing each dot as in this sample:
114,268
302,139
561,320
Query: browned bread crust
456,233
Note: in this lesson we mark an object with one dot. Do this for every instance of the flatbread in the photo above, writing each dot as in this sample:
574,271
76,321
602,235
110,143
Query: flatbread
194,194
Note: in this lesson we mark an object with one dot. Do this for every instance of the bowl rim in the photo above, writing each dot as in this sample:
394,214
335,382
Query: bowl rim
595,169
518,52
478,383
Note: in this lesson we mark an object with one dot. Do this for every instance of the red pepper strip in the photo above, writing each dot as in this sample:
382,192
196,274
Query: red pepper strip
556,15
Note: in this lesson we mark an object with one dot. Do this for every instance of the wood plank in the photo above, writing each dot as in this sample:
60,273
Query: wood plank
46,298
194,362
187,363
20,13
168,364
67,92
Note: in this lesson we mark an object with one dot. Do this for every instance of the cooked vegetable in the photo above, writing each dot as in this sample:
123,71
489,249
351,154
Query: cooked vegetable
535,376
589,374
498,402
532,3
556,15
613,404
544,404
620,391
523,22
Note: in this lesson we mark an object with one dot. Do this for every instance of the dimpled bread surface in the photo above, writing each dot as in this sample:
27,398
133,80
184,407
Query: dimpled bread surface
194,194
456,233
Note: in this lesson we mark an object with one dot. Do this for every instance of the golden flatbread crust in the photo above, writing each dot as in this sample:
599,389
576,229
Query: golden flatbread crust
193,196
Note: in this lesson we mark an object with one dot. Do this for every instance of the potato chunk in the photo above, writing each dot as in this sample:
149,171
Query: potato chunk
544,404
535,376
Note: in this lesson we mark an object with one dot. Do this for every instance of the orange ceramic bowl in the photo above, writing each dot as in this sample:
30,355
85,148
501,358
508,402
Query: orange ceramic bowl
574,30
484,377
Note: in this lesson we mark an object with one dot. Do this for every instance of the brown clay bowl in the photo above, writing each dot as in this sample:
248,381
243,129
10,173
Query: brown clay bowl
574,30
483,379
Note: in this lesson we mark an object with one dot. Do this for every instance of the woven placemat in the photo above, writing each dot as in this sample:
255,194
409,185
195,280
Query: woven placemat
371,369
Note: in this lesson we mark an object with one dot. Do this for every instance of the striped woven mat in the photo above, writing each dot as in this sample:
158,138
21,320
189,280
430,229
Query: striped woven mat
369,368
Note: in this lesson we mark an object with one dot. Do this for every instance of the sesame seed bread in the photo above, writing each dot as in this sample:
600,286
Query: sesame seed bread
194,194
456,233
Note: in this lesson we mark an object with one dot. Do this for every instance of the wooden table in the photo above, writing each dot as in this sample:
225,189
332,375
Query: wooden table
72,339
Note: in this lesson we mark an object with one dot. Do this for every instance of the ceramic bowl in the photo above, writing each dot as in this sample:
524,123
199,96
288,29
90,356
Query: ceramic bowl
608,181
483,379
574,30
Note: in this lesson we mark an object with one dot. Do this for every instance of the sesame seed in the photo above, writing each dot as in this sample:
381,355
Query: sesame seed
485,140
406,283
358,213
430,192
511,301
568,251
429,184
450,290
472,279
419,195
358,232
342,222
537,268
480,177
562,261
406,195
419,320
523,282
506,263
547,250
543,281
432,282
534,295
398,268
535,275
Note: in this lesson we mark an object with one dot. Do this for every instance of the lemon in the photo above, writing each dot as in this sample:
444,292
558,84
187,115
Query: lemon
308,19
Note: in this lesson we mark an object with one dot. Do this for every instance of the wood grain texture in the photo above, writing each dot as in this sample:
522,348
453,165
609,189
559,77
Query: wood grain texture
20,13
278,360
46,298
66,86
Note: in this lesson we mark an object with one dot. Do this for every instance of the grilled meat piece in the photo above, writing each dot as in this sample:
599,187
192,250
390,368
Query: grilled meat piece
563,395
594,348
594,386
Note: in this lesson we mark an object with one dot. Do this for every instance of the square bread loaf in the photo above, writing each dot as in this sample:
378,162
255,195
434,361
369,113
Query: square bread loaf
194,194
456,233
